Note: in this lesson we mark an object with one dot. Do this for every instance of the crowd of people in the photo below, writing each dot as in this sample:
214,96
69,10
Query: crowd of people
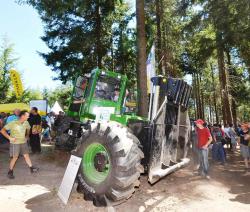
218,139
24,131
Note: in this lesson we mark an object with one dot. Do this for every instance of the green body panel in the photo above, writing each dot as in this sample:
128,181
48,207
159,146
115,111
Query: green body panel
72,114
91,102
124,119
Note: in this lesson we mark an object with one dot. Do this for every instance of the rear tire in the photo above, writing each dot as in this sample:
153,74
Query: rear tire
110,166
63,140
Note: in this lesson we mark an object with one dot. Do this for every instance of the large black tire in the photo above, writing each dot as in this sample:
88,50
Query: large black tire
62,124
63,140
125,164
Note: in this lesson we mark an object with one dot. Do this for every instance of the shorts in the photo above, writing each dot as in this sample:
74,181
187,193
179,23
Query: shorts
245,151
17,149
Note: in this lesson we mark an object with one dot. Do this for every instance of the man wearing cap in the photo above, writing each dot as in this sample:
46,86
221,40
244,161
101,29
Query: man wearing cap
204,139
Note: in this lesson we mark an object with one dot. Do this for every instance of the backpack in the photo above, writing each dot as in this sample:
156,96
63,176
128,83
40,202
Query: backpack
217,134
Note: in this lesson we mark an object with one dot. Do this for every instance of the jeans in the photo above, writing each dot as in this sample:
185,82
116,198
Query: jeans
203,159
218,152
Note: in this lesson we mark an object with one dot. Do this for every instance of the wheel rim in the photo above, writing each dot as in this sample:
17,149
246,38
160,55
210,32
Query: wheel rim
96,163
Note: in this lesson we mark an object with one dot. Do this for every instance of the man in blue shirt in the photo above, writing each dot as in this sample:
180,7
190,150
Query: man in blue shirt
13,117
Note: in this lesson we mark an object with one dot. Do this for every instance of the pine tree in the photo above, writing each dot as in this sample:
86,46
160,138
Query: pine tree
78,34
7,62
141,58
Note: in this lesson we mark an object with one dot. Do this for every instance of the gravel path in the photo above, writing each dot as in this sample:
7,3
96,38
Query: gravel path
228,189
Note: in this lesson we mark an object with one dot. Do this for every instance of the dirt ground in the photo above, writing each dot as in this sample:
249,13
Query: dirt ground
228,189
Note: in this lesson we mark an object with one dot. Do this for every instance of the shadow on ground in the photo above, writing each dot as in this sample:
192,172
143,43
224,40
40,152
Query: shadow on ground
233,176
180,191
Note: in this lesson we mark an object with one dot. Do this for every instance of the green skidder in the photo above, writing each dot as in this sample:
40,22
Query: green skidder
115,144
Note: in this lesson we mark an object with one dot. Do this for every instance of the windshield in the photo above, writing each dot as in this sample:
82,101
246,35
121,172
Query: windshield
107,88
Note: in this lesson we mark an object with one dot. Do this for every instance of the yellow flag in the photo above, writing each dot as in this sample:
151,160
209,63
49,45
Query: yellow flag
17,83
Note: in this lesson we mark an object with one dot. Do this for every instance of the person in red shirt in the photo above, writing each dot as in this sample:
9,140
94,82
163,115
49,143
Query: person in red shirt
204,139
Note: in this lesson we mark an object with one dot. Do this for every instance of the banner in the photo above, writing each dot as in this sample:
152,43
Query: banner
9,108
17,83
150,68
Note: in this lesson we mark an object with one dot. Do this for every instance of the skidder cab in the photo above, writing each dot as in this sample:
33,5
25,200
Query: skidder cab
100,95
115,145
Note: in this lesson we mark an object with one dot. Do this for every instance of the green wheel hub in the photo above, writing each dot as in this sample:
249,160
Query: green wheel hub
96,163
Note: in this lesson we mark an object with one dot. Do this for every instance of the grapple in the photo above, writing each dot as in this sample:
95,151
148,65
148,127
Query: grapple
170,127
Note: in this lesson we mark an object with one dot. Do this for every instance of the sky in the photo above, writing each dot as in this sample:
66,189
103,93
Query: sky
23,27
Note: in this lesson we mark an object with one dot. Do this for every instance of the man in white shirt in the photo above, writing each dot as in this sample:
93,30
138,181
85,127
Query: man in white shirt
228,136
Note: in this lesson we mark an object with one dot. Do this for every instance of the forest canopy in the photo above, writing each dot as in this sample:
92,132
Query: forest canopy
207,40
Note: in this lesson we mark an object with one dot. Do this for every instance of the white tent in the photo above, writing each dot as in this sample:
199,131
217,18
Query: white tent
56,108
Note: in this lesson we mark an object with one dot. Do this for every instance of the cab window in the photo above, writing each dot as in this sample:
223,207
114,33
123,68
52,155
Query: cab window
107,88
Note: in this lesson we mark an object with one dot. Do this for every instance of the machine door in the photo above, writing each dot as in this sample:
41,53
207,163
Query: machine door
79,94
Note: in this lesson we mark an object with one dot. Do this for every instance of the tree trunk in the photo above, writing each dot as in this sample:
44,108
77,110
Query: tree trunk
233,102
112,54
141,59
122,49
227,113
199,103
214,96
158,37
98,36
202,101
165,69
195,96
210,110
234,113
